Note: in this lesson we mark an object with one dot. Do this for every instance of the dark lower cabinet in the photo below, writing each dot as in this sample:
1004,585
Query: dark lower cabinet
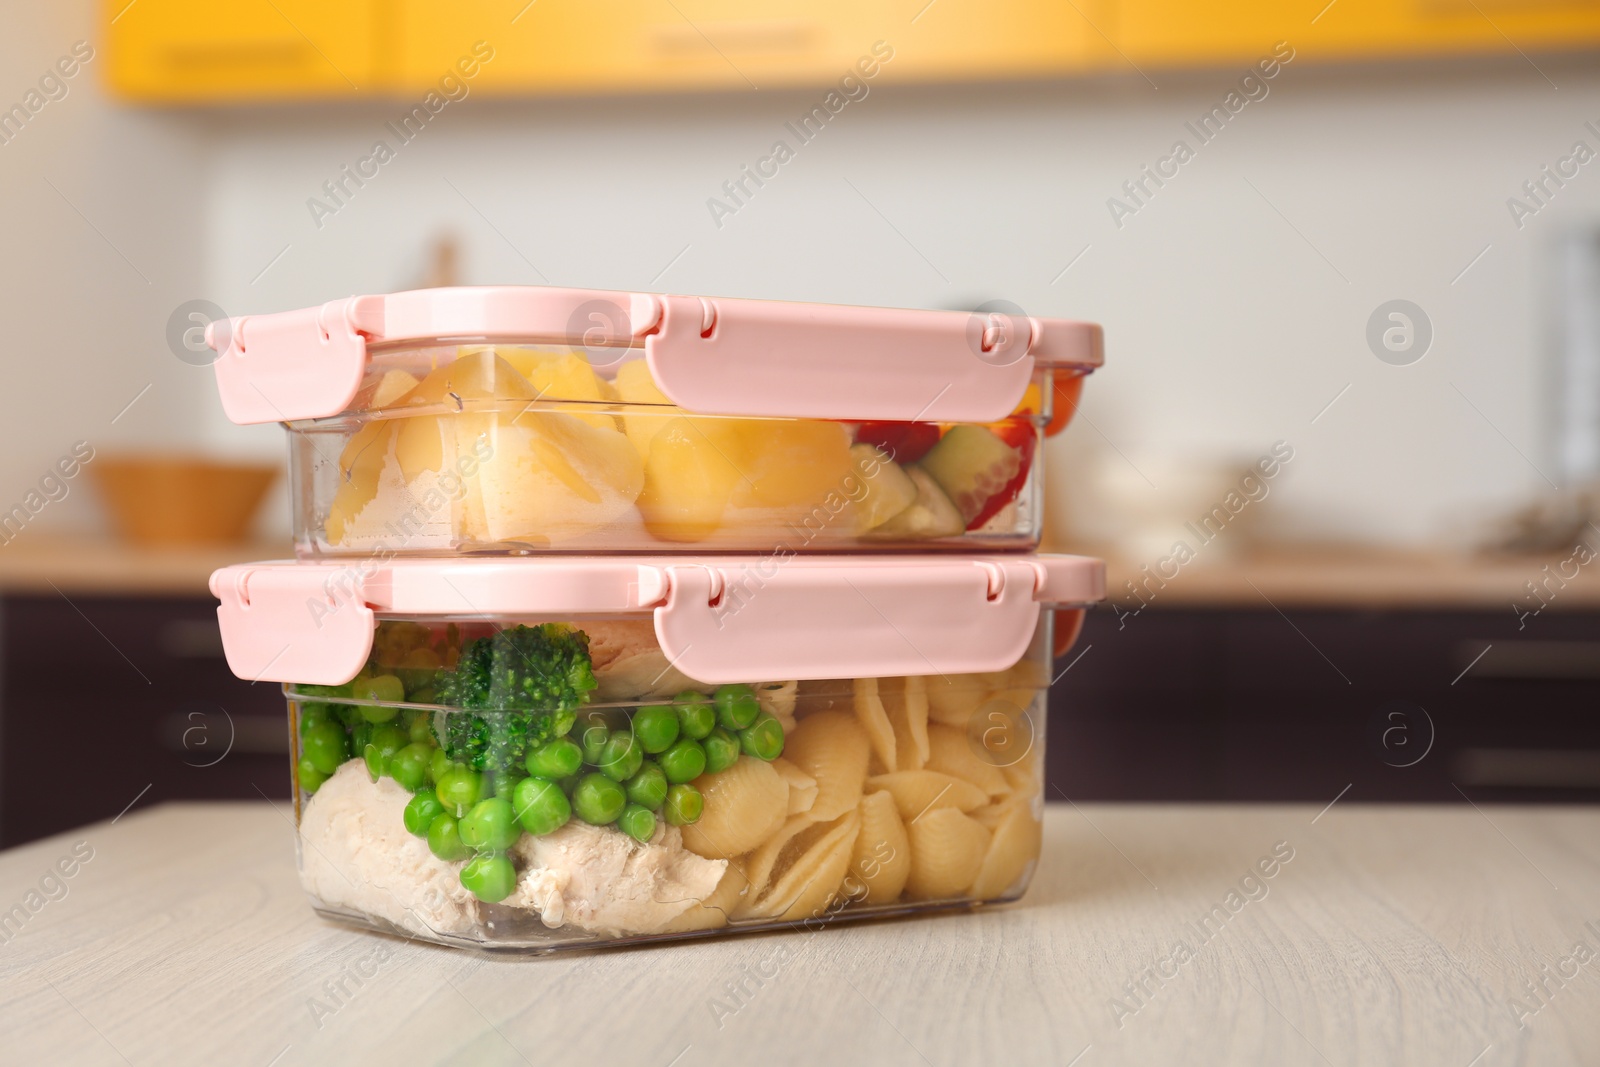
112,701
108,699
1397,705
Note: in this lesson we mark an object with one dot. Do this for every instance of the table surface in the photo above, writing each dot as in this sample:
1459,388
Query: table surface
1415,935
99,567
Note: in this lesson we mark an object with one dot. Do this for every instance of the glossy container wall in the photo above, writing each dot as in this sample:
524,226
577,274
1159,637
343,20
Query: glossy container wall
847,798
532,448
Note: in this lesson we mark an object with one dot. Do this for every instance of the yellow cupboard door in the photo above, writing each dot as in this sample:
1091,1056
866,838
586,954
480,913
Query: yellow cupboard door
1177,33
598,46
201,51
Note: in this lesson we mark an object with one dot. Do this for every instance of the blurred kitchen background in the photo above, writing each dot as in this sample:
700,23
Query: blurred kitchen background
1405,609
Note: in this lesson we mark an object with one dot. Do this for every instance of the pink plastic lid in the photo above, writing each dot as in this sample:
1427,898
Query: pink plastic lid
711,356
718,618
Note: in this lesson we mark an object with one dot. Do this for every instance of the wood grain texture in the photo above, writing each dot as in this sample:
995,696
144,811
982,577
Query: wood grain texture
1393,935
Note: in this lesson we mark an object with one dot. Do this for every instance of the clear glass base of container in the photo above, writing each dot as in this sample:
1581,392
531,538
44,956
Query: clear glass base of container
662,808
555,941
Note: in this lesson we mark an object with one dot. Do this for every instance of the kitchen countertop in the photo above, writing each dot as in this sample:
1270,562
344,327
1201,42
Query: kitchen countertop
1337,578
98,567
1385,935
1358,579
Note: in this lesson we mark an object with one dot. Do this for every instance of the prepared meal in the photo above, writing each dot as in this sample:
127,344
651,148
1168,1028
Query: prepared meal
539,754
529,420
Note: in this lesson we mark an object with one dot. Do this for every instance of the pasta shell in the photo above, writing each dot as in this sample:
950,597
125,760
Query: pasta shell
953,699
874,719
1024,778
950,752
1004,733
832,748
947,850
744,805
905,700
881,859
810,880
714,910
802,787
762,862
916,792
777,699
1015,846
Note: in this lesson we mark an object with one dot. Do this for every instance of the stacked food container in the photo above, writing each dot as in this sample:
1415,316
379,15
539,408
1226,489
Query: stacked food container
619,617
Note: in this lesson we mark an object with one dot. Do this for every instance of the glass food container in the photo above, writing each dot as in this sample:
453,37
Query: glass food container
531,419
540,754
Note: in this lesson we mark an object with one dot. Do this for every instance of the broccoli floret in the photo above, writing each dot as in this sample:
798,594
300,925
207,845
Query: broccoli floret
524,686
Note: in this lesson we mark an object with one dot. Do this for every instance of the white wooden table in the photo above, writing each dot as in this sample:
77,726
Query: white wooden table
1394,935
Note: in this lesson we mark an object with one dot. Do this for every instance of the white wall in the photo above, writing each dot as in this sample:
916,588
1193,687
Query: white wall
103,213
1227,329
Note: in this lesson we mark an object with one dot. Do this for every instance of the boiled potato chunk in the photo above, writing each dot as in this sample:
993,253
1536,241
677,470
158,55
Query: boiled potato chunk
793,462
550,477
360,465
557,376
889,490
691,471
634,385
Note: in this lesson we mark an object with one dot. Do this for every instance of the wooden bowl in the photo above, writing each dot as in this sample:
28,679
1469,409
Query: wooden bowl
176,500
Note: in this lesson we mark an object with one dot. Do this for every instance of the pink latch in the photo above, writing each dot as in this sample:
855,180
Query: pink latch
296,365
281,623
821,361
734,624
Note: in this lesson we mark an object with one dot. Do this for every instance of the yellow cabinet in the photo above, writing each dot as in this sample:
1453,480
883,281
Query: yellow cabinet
590,46
202,50
1175,33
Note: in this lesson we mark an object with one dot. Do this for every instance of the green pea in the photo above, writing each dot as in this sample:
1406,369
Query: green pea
656,728
503,784
385,687
490,826
638,822
684,805
540,806
420,812
570,783
383,743
311,715
360,735
763,738
409,766
459,790
598,800
444,838
325,746
561,758
648,788
621,758
722,749
737,706
421,729
489,877
309,777
438,764
696,717
684,761
592,741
